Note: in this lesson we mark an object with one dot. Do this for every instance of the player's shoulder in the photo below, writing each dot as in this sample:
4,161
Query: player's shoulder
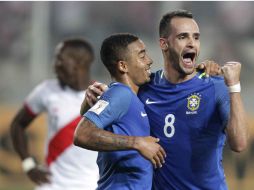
217,80
47,86
51,83
118,95
48,83
211,79
118,92
119,88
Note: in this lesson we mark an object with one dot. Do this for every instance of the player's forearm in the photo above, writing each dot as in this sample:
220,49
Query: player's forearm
237,129
88,136
18,136
19,140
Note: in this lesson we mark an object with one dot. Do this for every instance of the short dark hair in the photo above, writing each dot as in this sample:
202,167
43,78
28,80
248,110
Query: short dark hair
77,43
164,28
114,49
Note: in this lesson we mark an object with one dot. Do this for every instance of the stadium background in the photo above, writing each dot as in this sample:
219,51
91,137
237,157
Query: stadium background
30,30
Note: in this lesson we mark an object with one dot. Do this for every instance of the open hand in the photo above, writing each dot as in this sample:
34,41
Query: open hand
149,148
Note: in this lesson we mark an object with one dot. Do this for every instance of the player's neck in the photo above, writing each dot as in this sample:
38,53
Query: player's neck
128,82
174,76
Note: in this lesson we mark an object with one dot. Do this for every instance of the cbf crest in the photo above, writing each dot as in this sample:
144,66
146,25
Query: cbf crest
193,103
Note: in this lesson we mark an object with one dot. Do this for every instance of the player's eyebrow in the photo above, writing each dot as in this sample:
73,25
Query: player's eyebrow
142,51
197,34
182,34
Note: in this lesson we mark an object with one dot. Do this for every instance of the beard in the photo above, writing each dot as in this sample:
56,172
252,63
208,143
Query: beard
174,58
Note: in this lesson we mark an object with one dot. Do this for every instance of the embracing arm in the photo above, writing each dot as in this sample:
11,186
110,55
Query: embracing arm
92,93
210,68
89,136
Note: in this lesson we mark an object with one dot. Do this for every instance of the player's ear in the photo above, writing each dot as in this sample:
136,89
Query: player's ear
163,44
122,66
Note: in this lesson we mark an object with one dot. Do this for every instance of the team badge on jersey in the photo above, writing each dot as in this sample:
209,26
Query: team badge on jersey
99,107
193,103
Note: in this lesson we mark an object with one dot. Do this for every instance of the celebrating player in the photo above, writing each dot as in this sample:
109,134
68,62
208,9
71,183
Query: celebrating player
191,114
68,167
123,160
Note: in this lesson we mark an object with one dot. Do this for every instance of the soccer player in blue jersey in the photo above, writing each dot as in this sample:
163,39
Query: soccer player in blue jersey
117,125
192,115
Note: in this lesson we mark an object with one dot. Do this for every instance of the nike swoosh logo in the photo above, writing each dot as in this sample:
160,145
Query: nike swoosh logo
143,114
150,102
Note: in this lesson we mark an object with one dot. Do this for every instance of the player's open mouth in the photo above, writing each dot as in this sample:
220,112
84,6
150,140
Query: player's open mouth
188,58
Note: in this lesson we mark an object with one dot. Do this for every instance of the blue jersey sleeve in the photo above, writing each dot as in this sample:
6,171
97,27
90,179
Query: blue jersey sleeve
113,104
222,100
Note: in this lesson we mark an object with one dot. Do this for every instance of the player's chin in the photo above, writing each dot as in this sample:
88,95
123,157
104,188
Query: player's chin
146,80
189,70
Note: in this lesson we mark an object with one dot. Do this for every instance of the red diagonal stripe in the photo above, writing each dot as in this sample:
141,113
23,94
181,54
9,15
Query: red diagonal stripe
62,140
29,110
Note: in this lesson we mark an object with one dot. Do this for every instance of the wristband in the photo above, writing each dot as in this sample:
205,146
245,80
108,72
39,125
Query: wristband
28,164
235,88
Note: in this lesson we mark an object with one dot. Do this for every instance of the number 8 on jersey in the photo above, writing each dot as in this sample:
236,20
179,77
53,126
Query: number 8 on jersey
169,123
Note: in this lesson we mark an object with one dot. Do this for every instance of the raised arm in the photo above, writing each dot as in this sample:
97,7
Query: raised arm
237,129
89,136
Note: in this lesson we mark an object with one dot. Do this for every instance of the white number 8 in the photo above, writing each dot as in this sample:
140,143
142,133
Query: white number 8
169,124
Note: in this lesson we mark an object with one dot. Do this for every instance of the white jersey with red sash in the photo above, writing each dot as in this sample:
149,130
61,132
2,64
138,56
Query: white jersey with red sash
72,168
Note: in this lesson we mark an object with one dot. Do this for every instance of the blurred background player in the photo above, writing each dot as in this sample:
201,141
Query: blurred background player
68,166
119,122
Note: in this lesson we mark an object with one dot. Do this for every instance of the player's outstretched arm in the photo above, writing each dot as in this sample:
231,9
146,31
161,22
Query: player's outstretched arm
89,136
21,121
92,93
237,129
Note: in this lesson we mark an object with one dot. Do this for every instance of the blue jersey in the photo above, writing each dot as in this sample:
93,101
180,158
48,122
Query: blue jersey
120,111
189,118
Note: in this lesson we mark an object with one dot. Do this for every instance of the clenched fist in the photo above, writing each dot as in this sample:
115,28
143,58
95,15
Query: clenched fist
231,71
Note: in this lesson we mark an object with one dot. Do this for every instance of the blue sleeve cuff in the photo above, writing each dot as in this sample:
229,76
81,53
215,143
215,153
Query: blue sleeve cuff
94,119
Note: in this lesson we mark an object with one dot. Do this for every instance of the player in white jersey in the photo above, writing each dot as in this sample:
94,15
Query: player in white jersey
67,166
